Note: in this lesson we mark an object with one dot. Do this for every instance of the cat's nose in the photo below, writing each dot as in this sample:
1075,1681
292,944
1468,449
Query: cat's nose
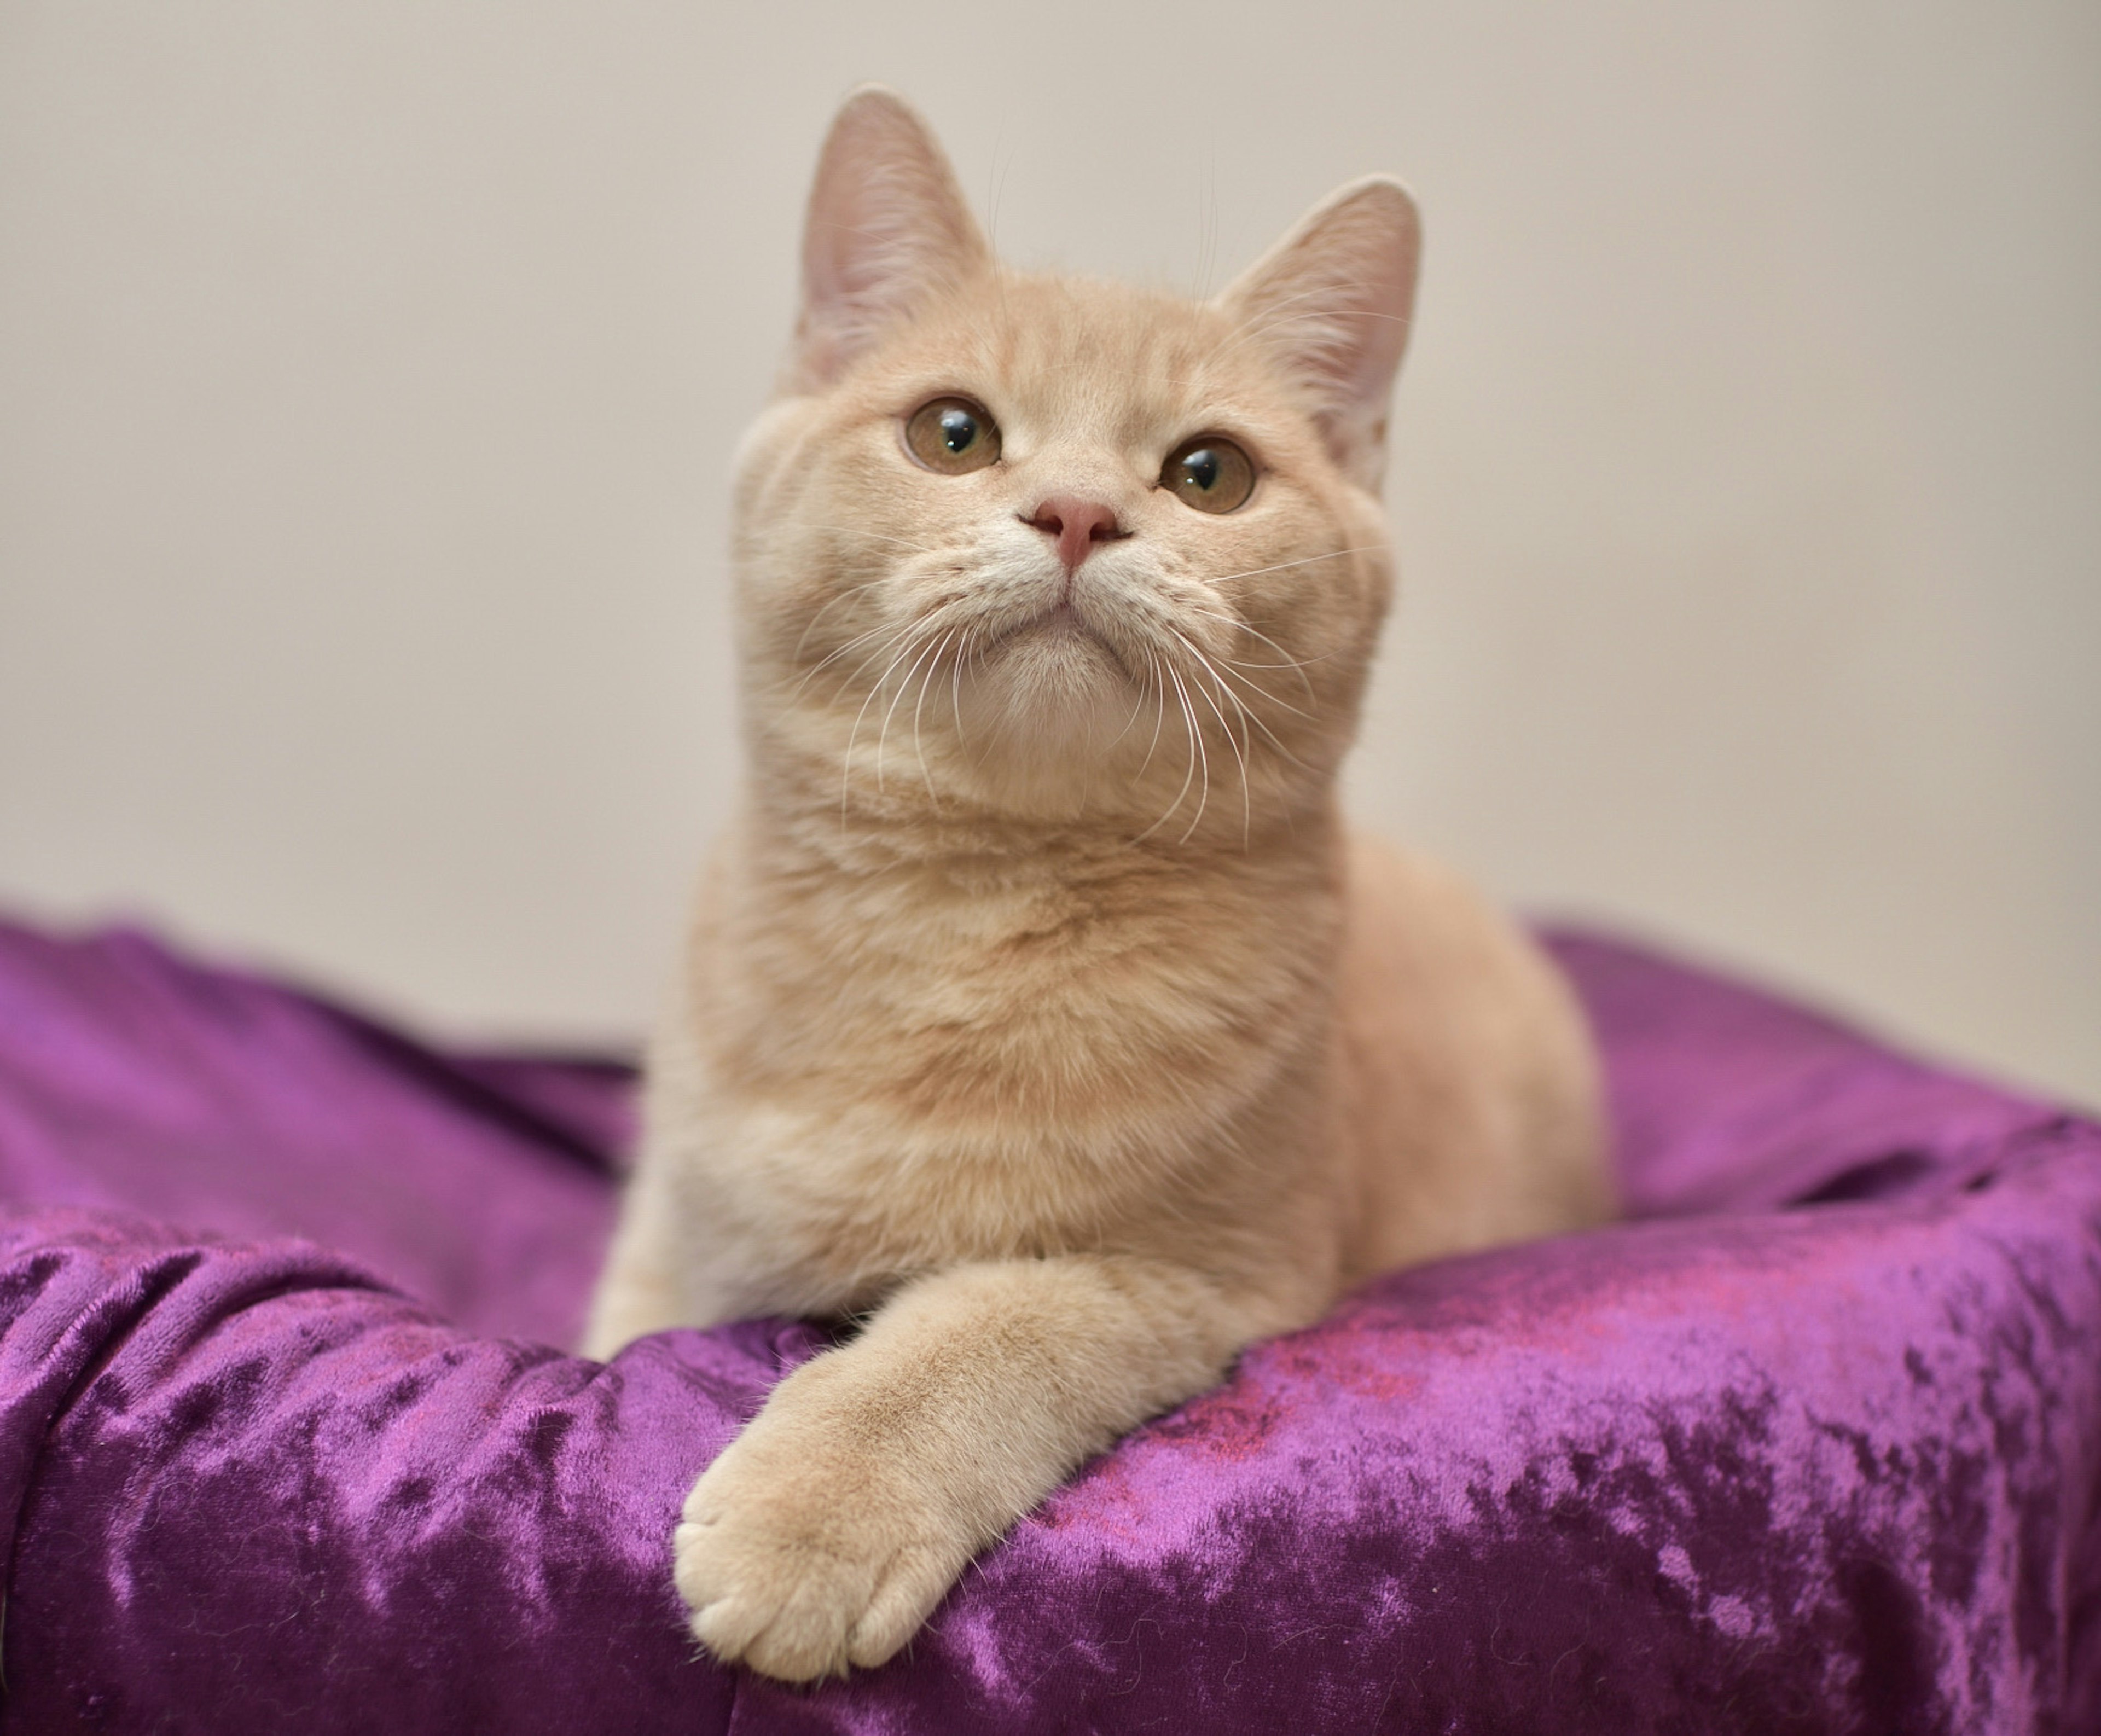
1076,526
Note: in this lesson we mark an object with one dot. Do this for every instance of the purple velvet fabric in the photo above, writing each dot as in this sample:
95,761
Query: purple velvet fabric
1815,1445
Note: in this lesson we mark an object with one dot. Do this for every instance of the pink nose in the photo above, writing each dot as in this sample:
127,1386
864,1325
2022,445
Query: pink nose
1076,526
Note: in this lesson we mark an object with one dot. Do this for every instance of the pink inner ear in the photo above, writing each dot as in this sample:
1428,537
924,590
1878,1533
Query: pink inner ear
1332,302
886,227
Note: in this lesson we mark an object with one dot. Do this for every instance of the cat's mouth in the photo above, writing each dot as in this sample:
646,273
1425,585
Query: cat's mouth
1062,617
1064,624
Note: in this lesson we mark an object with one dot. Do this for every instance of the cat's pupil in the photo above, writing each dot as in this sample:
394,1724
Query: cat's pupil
1202,468
959,428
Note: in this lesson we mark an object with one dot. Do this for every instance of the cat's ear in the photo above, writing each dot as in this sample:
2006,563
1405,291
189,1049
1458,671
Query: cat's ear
1332,302
886,227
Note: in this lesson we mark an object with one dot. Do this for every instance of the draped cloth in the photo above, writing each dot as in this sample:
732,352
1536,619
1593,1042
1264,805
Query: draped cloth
1811,1443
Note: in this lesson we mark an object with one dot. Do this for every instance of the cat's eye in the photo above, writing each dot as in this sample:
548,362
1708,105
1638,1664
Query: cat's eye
952,435
1211,473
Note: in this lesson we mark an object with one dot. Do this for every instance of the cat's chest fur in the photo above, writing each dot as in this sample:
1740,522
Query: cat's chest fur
977,1053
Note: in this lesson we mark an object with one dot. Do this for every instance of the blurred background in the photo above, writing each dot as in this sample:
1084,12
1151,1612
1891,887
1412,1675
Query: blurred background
368,375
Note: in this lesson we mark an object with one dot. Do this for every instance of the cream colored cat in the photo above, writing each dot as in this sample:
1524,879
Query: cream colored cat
1040,1012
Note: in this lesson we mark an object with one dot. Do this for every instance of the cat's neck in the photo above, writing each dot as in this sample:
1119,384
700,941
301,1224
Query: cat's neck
800,814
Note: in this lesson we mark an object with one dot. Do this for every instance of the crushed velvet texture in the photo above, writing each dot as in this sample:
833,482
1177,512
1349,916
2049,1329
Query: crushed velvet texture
1813,1446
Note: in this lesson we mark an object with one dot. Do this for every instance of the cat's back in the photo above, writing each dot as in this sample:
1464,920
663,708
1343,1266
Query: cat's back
1469,1088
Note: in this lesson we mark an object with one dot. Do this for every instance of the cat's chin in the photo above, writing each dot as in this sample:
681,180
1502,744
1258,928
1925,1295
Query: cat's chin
1056,673
1057,659
1049,707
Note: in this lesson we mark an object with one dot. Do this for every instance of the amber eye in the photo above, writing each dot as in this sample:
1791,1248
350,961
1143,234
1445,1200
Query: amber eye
952,435
1211,473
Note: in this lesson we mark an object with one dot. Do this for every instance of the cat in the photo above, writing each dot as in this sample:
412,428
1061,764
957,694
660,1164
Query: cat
1040,1015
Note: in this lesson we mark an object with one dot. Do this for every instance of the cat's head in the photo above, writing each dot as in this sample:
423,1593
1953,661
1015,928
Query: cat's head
1050,547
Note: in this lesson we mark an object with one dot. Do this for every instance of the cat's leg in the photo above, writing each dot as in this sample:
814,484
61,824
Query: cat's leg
659,1272
829,1529
636,1294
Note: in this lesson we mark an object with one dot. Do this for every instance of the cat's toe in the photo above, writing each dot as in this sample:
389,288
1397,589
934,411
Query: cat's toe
768,1602
902,1602
799,1588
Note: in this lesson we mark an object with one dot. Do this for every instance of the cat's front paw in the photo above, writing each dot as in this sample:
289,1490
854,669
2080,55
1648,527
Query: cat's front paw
799,1562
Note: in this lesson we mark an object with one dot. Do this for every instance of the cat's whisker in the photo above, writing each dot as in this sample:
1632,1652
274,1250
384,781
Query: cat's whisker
827,606
853,734
956,685
838,651
890,638
1160,710
1137,705
1212,670
1188,777
1260,688
919,752
1221,669
1196,728
1245,663
982,641
854,673
1249,722
1275,740
1295,664
832,657
1239,754
904,687
1263,695
1303,560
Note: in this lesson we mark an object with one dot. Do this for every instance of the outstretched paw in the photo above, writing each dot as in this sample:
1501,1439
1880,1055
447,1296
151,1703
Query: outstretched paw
800,1571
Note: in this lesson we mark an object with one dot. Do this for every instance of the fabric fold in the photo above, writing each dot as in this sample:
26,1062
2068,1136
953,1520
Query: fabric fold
1812,1445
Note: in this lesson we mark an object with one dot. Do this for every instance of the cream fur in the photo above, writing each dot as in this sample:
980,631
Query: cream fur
1040,1012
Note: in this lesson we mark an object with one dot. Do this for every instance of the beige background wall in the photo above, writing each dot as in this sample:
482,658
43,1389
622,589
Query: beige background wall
367,374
